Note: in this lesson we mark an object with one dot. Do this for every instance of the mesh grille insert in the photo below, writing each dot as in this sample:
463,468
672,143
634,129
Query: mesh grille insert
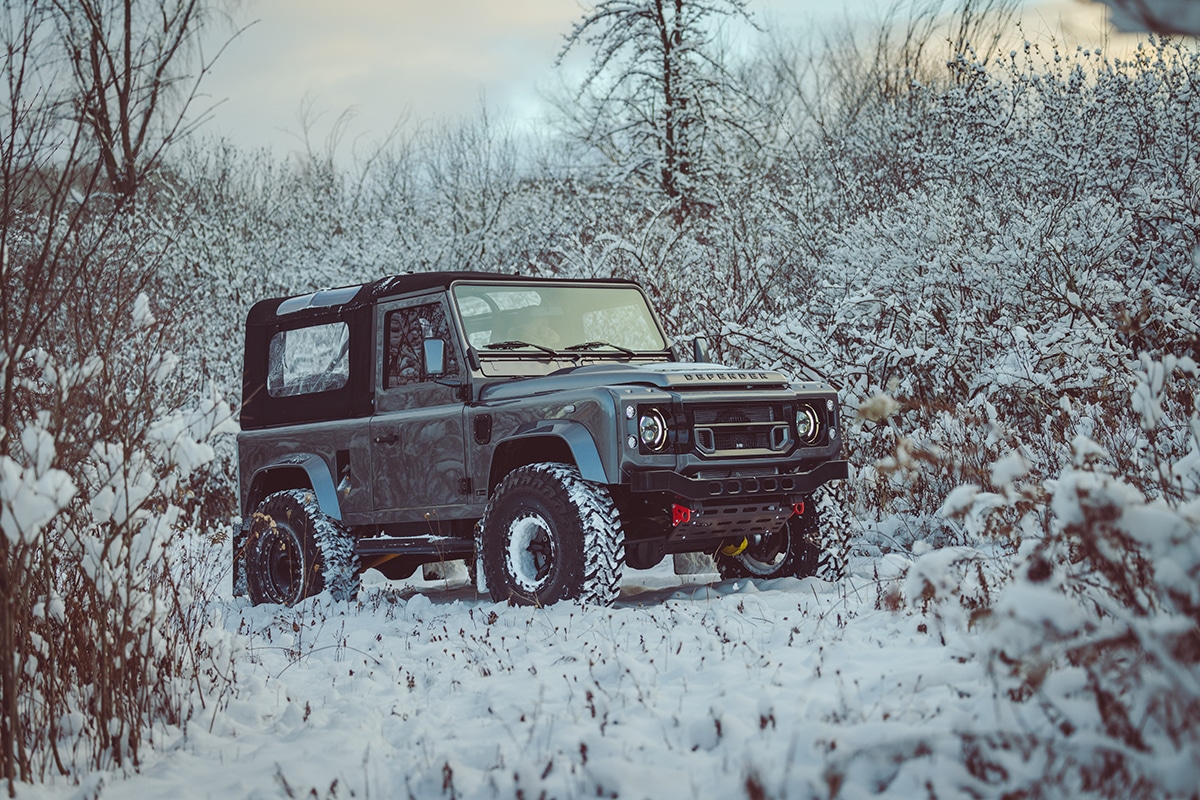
740,430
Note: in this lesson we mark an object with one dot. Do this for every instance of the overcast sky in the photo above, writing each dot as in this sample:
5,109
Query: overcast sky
391,60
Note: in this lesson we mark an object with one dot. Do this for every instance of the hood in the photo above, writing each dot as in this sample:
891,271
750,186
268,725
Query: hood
681,376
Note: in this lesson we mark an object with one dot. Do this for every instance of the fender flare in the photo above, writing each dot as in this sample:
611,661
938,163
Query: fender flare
319,479
577,438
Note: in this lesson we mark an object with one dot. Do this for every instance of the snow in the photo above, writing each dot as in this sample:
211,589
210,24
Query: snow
997,332
143,317
30,498
878,408
688,686
1008,469
959,501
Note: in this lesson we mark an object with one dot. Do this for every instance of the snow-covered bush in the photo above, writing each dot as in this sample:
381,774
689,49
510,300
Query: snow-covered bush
107,640
1003,295
1034,237
1026,298
1093,637
104,571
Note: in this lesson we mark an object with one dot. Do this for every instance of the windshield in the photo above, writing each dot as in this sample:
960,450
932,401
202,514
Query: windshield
596,319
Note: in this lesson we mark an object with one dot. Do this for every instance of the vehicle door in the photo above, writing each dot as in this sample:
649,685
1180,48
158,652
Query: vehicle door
417,442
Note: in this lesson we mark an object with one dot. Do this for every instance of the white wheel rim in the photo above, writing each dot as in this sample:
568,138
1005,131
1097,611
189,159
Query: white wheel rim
761,567
531,552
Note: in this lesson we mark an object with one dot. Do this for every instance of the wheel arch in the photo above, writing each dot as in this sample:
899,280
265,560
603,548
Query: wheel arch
563,441
304,471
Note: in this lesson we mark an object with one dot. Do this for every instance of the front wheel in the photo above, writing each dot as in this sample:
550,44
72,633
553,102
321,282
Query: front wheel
814,542
294,551
549,535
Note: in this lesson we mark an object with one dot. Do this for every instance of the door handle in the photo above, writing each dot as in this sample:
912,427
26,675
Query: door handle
391,438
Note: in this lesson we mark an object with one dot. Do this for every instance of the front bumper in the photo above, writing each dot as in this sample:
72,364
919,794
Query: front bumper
795,485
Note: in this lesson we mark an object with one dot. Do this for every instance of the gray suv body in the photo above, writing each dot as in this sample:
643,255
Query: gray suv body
543,430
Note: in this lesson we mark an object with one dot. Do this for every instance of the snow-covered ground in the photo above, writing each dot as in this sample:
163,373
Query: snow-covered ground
688,687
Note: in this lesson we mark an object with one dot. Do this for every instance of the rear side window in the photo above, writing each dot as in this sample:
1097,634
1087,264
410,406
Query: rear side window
309,360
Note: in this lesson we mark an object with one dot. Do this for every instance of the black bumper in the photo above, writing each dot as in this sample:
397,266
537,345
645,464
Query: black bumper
731,489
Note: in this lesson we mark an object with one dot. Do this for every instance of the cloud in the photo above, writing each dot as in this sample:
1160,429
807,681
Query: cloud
389,60
383,58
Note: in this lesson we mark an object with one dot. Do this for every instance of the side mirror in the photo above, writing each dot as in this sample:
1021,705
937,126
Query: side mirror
700,350
434,353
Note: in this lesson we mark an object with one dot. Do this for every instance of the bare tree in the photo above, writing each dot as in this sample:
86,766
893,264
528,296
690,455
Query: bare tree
137,66
655,99
44,177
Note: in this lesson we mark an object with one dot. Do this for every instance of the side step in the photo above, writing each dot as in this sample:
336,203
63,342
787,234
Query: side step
446,547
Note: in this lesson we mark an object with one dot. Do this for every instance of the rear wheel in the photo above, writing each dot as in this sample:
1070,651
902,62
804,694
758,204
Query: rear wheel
814,542
549,535
789,552
294,551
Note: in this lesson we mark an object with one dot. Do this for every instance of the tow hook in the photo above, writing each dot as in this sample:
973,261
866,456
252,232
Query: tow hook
735,549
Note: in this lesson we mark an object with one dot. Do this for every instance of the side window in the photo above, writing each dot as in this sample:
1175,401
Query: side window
309,360
407,329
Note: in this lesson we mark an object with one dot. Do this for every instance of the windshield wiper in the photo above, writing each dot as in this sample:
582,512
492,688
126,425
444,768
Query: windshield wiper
596,344
517,344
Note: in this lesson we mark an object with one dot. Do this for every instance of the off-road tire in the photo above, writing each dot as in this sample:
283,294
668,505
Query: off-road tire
549,535
815,542
833,503
293,551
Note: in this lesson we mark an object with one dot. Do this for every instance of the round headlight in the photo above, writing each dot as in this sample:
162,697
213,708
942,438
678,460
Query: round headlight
652,428
808,425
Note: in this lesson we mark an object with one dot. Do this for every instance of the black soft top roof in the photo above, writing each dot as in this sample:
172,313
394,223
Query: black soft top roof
348,298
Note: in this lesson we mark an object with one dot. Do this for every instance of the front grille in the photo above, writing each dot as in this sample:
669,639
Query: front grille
722,414
740,430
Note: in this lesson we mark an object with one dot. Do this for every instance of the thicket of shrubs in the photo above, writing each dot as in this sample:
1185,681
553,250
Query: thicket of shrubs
992,252
107,630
